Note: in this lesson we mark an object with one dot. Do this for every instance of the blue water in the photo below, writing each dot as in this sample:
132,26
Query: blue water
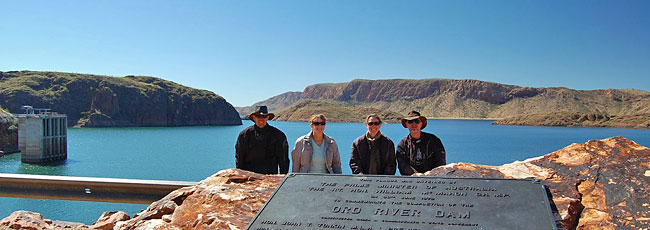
194,153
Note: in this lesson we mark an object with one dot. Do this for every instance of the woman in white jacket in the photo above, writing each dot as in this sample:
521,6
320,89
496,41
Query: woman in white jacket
316,152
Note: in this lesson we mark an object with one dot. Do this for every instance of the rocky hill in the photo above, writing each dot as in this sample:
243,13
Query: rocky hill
103,101
8,133
600,184
472,99
338,112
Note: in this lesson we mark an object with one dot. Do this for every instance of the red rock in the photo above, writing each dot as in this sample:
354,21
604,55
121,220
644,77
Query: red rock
108,220
596,185
24,220
227,200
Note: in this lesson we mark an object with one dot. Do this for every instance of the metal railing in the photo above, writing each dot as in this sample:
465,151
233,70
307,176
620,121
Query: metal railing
87,188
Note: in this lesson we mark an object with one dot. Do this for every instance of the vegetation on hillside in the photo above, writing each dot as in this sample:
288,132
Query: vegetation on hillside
94,100
304,109
50,85
467,99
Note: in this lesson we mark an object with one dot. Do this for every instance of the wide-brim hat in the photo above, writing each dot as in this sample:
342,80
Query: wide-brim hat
412,116
261,110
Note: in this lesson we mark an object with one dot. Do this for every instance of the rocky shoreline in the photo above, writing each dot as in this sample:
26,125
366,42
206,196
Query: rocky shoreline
600,184
567,119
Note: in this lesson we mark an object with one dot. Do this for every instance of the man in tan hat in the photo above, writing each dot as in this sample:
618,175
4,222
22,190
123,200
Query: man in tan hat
419,151
262,148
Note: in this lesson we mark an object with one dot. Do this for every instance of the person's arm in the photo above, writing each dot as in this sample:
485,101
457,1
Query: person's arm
240,150
336,159
440,154
355,160
392,163
296,153
283,154
403,162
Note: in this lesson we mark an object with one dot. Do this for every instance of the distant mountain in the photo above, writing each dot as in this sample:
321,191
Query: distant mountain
304,109
274,104
103,101
469,99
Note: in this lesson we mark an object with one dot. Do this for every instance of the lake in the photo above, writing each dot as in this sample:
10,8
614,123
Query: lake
194,153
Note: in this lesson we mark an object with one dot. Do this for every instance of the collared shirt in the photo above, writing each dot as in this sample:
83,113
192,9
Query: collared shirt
375,158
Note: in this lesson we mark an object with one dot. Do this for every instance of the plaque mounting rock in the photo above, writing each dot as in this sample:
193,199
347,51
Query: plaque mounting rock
368,202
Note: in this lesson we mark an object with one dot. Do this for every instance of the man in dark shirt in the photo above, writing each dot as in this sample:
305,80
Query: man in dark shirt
262,148
418,152
373,152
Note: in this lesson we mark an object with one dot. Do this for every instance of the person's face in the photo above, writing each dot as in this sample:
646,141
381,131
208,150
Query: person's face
260,120
317,126
414,126
373,125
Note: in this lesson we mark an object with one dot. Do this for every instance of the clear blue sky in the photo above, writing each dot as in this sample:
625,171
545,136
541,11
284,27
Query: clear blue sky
248,51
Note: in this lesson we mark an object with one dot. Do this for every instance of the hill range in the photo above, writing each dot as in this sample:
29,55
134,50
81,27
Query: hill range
103,101
464,99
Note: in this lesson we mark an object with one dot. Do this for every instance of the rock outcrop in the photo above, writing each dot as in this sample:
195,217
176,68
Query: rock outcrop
108,220
601,184
226,200
468,99
35,221
8,133
102,101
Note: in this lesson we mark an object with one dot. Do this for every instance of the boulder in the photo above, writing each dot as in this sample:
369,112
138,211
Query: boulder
108,220
228,199
600,184
24,220
35,221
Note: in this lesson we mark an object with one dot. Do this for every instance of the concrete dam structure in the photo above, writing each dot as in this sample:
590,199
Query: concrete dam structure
42,135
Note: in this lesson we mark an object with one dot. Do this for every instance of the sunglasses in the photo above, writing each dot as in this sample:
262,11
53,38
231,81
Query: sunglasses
318,123
413,121
374,123
261,115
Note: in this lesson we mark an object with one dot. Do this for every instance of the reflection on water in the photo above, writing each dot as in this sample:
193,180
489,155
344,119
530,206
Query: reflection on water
11,164
51,168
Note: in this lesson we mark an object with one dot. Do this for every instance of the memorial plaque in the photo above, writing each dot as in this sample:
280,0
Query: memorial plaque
320,201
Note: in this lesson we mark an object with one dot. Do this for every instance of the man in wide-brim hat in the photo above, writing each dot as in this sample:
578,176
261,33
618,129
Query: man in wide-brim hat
414,115
419,151
262,148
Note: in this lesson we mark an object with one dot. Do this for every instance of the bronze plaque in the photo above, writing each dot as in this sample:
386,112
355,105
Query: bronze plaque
369,202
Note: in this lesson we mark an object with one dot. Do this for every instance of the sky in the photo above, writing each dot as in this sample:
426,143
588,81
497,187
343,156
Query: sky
249,51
